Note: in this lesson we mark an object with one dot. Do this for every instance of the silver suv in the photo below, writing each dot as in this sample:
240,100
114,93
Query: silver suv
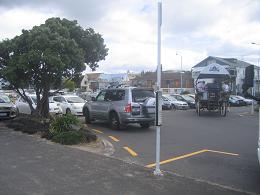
121,106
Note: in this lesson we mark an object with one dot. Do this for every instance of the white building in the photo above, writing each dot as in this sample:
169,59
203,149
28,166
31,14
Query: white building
236,69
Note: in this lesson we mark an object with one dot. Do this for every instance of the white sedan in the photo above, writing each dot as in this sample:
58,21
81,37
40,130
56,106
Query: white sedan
70,104
248,101
24,108
176,103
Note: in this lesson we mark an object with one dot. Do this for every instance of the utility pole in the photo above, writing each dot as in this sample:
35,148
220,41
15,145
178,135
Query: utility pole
181,68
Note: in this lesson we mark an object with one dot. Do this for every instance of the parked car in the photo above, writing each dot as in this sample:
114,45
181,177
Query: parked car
248,101
7,108
189,100
234,101
24,108
191,95
121,106
166,104
176,103
72,104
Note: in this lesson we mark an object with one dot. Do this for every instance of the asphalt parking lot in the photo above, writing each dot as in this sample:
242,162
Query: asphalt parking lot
211,148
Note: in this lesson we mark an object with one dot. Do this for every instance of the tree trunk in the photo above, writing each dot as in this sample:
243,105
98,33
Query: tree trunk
23,95
44,103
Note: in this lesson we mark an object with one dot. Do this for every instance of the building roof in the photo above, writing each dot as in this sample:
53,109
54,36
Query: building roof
232,62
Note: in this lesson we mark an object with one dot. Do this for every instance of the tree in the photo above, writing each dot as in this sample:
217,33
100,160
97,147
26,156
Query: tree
43,56
70,85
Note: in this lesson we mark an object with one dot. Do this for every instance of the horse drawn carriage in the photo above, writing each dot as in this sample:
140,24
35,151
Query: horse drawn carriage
211,89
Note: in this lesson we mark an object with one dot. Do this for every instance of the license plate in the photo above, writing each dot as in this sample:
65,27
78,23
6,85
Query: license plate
3,114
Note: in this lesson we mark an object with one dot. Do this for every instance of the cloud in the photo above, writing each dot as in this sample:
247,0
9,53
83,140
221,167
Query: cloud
194,28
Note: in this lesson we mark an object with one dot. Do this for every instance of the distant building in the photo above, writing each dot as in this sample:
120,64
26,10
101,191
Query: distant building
97,81
236,69
170,81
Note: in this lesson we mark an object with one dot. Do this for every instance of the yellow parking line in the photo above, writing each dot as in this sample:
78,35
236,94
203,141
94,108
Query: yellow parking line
189,155
113,138
133,153
244,113
97,131
220,152
177,158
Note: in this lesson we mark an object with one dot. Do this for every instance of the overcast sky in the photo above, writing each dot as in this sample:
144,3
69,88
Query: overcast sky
193,28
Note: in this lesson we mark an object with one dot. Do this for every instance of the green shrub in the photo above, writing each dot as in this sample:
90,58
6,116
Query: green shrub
63,123
67,130
69,137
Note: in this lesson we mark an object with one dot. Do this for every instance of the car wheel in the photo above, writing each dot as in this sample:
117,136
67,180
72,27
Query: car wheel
173,107
114,121
145,125
68,111
87,117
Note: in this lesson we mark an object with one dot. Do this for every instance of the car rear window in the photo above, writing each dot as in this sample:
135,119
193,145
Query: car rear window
140,95
115,95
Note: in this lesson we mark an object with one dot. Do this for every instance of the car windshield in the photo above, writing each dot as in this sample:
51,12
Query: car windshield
234,98
188,98
171,98
141,95
4,99
240,97
75,99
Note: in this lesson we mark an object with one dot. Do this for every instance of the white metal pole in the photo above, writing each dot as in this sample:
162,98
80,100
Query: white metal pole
157,170
181,73
252,107
258,140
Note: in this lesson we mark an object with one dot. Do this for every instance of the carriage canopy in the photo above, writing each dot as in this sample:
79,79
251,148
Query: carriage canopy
214,70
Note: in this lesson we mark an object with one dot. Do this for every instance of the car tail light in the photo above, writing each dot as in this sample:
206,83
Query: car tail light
128,108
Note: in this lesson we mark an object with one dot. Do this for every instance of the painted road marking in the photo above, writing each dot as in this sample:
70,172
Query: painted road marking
176,158
220,152
244,113
97,131
113,138
189,155
133,153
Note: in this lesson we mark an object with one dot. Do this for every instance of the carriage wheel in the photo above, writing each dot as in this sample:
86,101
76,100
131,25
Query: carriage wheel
223,109
198,108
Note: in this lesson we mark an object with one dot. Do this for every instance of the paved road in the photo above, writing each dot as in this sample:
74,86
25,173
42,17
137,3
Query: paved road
219,150
31,165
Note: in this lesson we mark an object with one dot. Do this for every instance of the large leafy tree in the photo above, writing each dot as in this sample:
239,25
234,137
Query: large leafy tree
43,56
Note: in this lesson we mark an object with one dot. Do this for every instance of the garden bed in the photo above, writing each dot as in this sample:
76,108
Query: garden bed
61,129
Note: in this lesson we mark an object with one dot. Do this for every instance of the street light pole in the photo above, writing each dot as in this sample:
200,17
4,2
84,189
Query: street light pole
157,170
181,68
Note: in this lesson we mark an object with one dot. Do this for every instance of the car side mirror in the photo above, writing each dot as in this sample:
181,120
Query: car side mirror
93,98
